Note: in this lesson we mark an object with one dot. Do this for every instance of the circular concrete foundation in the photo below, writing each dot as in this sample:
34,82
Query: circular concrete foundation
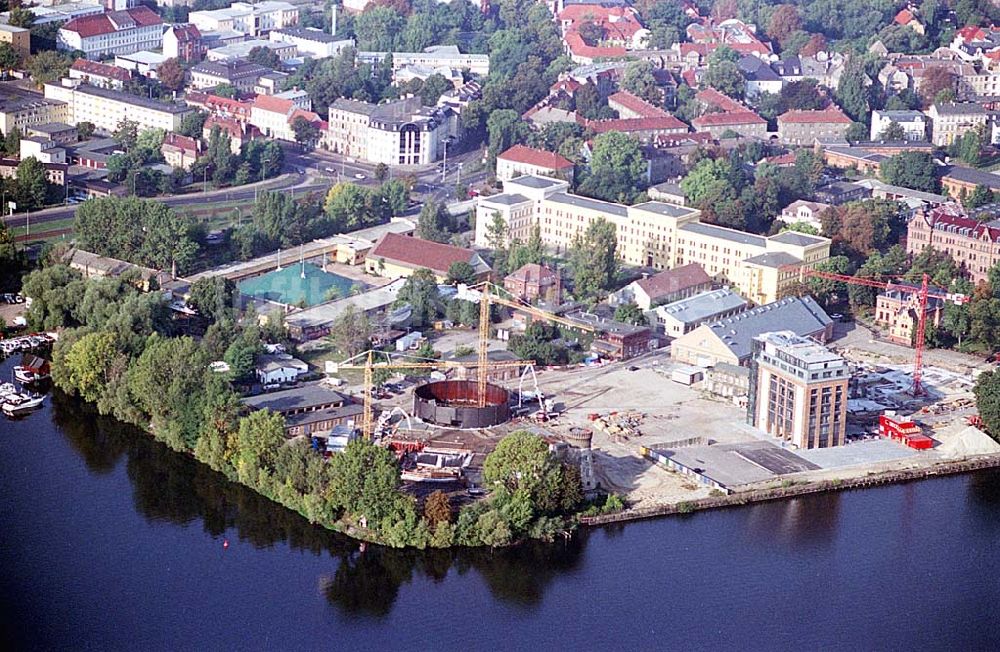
455,403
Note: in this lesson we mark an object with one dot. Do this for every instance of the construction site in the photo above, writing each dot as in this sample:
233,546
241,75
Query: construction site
662,434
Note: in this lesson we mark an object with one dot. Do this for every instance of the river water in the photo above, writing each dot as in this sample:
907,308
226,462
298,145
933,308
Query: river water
110,541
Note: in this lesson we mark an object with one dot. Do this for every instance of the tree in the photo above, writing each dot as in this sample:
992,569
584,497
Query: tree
364,481
638,79
89,362
461,272
520,462
264,56
306,133
381,172
215,297
725,77
433,88
505,128
21,17
378,29
84,130
980,196
193,123
32,184
987,392
437,508
351,332
783,23
420,292
852,92
433,222
617,168
915,170
9,57
630,313
127,134
171,74
892,131
937,80
48,66
594,259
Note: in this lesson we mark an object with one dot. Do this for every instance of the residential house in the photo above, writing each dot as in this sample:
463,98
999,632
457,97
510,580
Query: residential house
914,123
279,368
180,151
112,33
950,121
398,256
680,317
532,282
805,127
840,192
897,309
744,123
732,33
907,17
730,339
273,114
666,287
521,159
308,409
183,42
620,25
631,106
99,74
239,132
222,107
801,211
760,77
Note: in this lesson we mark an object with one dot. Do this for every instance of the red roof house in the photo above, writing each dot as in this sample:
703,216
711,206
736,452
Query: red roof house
398,256
520,159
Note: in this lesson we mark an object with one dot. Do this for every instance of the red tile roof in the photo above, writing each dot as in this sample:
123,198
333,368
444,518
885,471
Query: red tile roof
218,104
98,69
826,116
186,33
308,115
627,125
723,119
712,97
674,280
579,48
943,217
114,21
636,104
417,253
273,104
538,157
533,273
184,143
904,17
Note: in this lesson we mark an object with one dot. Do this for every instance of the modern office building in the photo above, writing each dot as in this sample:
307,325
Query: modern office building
798,390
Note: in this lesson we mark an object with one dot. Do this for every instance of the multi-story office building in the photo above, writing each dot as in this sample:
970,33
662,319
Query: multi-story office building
798,390
106,108
23,110
113,33
653,234
403,132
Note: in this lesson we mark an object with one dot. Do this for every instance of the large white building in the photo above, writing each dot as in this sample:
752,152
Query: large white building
914,124
106,108
253,19
403,132
436,56
112,33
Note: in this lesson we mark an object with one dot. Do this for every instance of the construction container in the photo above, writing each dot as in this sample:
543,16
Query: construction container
687,375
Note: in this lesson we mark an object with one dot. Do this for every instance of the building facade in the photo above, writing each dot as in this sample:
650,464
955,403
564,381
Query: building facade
521,159
804,127
897,310
973,245
403,132
106,108
183,42
914,123
653,234
254,19
951,121
19,38
112,33
241,75
798,391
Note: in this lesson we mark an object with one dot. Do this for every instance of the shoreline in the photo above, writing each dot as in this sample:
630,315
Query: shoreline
803,488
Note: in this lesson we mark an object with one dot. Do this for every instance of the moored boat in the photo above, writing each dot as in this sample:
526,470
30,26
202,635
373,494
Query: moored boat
17,404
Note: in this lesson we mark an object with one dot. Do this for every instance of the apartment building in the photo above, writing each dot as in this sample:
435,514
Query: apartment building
99,74
403,132
23,110
105,108
896,309
973,245
805,127
253,19
273,114
653,234
950,121
798,390
436,56
183,42
112,33
241,75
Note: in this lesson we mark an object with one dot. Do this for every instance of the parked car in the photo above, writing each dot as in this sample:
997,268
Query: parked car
359,176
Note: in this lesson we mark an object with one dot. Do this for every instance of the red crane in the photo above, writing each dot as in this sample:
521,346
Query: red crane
918,301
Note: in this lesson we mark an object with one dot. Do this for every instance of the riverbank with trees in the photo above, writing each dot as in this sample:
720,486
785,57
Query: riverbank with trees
119,351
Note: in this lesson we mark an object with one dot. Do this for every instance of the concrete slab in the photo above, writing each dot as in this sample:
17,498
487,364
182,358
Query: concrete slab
863,452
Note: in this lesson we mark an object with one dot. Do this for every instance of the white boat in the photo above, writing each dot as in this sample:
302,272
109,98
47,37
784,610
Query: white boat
21,404
27,376
7,389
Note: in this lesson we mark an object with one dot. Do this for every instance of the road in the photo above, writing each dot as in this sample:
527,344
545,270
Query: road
301,170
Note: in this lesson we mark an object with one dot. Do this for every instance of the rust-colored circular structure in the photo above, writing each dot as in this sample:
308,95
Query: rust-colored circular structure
455,403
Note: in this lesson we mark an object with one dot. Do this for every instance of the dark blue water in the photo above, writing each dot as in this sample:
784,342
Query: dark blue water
109,541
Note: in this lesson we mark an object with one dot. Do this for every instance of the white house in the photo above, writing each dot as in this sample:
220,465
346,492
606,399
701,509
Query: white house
273,369
253,19
805,212
914,124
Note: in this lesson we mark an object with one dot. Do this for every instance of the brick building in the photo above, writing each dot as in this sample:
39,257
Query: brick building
973,245
533,281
